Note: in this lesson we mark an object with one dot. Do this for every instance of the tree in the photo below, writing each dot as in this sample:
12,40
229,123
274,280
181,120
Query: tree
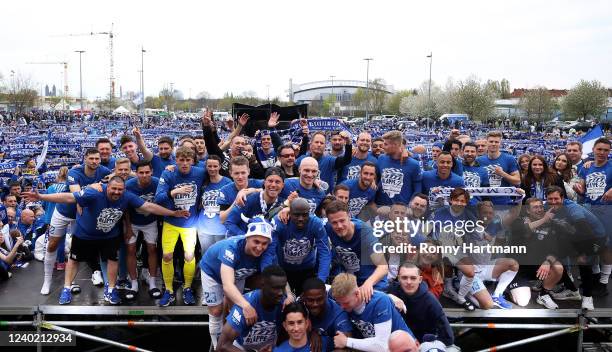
474,99
167,98
538,103
420,104
329,104
21,92
585,99
395,100
504,86
373,98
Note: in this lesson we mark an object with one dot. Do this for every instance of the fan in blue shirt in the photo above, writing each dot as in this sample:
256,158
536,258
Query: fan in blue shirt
305,186
361,192
400,176
353,248
301,246
328,164
263,204
373,319
502,167
442,176
257,333
210,228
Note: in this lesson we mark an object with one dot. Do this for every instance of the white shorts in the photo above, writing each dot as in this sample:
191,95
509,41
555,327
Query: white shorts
212,291
149,231
485,271
59,224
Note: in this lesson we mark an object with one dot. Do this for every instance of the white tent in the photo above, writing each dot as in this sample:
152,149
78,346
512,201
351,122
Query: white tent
121,110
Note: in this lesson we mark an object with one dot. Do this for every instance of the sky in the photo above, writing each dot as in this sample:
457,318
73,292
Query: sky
238,46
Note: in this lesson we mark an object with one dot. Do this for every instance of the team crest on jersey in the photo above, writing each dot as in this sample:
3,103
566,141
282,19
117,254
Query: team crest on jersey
296,251
471,179
262,334
209,203
595,185
243,273
494,179
356,204
365,328
107,219
392,181
353,172
186,201
229,255
348,259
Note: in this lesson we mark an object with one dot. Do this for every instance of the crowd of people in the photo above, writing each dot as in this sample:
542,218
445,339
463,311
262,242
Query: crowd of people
334,242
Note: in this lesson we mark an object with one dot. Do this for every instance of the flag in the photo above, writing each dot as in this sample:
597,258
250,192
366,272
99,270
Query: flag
588,140
138,100
43,154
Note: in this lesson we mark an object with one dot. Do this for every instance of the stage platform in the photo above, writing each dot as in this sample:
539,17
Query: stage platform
21,301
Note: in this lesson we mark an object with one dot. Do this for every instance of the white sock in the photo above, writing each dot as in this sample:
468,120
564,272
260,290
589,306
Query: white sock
503,281
48,263
464,288
110,288
152,283
134,285
214,326
606,269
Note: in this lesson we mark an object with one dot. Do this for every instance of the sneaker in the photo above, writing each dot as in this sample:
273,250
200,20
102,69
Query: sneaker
75,288
46,287
155,293
112,297
500,302
96,278
547,301
167,299
130,294
188,297
65,296
60,266
567,295
124,284
600,290
469,306
587,303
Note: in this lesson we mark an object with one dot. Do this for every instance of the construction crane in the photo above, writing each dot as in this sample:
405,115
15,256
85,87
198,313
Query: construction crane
110,35
65,64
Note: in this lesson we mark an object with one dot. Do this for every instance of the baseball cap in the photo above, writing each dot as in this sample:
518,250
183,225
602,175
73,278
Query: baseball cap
259,227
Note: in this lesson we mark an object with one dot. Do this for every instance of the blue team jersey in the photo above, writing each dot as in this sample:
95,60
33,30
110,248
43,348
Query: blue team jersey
597,180
50,206
353,170
159,164
475,176
379,310
209,222
190,201
398,182
358,198
314,196
295,249
334,319
4,215
348,255
147,194
229,192
326,168
508,164
286,347
100,217
431,180
76,176
110,164
230,252
236,222
261,334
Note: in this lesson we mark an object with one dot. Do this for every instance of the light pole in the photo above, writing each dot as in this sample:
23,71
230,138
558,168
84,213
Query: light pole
142,107
80,80
268,88
430,56
333,100
367,85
